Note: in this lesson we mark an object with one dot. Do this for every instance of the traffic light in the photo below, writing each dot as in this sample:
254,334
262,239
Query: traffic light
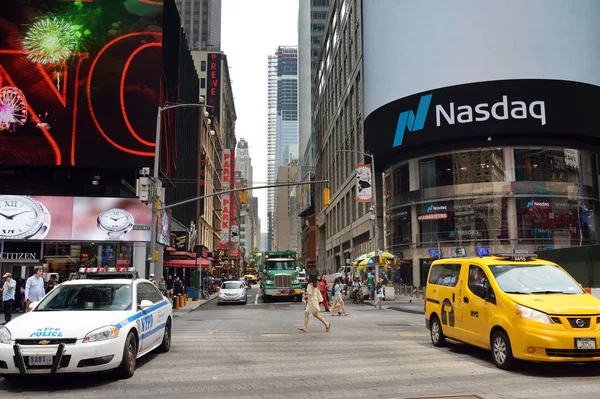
243,197
326,199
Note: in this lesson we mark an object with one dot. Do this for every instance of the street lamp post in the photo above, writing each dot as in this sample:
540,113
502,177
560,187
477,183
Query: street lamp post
155,173
374,208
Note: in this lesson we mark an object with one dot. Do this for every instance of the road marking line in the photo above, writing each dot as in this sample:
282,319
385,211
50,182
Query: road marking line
256,299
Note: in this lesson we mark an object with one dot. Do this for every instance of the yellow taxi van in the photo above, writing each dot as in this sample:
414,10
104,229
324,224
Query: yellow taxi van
516,306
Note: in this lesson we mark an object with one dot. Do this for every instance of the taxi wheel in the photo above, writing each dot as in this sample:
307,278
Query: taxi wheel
165,345
437,335
127,366
502,351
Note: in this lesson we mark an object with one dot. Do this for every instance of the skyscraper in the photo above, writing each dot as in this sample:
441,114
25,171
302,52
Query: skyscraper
282,123
312,16
201,21
247,217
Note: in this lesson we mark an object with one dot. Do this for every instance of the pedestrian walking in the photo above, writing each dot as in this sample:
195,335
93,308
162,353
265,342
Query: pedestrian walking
312,297
162,285
371,285
178,286
153,280
170,286
338,301
323,290
8,296
379,293
34,288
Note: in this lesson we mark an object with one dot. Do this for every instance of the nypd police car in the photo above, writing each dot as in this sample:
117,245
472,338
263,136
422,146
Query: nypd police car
99,321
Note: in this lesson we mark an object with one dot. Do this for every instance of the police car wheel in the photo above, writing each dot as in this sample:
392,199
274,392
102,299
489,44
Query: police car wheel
437,335
502,351
166,342
127,366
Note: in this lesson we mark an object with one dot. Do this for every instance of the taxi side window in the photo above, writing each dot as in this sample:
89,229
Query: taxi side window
477,280
446,275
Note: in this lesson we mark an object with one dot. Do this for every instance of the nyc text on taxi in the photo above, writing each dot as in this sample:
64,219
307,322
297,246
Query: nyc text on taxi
88,325
516,306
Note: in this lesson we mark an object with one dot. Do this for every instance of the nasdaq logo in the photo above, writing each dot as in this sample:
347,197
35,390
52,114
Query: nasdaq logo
541,204
408,120
437,208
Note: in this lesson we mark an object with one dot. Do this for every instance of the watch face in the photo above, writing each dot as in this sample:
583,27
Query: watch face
115,219
20,217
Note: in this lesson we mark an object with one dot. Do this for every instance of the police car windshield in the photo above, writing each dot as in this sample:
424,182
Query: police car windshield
534,279
107,297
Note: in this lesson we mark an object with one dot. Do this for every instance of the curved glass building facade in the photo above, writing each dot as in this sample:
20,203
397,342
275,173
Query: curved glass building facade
489,200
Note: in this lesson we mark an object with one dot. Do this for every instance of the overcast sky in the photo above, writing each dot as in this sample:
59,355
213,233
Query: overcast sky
251,30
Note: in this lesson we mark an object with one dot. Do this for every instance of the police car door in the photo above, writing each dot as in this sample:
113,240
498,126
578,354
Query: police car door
148,322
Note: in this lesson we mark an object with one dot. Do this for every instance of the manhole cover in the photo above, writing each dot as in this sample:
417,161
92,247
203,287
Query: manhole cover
393,325
449,397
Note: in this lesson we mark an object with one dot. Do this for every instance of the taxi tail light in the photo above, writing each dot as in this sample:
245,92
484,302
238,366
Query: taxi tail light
587,289
424,305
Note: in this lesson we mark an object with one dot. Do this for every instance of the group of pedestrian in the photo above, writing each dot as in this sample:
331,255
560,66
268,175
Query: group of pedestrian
34,291
169,287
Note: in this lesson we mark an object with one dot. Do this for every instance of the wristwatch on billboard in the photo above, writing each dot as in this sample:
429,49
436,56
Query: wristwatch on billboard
23,218
115,222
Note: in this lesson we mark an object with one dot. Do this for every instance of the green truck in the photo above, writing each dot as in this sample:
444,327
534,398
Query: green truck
280,276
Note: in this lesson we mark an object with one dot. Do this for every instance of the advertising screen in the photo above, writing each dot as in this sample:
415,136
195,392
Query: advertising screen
78,82
500,74
25,217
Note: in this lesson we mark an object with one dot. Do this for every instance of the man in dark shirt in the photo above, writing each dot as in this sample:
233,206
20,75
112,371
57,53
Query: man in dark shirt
170,286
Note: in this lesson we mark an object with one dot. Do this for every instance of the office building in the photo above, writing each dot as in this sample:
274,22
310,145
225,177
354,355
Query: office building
282,120
476,160
312,16
201,21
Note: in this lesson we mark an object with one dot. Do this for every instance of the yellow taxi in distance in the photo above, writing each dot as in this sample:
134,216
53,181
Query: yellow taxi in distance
251,278
514,305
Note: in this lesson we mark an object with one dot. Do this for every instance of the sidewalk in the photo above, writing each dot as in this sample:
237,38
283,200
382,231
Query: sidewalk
192,305
402,303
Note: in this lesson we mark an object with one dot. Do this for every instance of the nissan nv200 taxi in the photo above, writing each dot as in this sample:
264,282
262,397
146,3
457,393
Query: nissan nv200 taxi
514,305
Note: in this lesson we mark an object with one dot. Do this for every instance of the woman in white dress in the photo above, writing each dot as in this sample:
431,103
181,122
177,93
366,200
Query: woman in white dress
313,297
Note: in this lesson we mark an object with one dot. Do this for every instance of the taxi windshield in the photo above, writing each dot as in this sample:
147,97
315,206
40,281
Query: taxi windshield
534,279
107,297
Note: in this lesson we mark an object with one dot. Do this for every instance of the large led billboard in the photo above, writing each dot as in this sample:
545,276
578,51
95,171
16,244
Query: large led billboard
24,217
470,73
79,82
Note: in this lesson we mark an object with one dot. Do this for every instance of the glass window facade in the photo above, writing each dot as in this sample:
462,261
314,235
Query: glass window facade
67,257
499,199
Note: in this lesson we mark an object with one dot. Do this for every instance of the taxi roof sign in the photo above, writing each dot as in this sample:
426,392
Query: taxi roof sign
516,256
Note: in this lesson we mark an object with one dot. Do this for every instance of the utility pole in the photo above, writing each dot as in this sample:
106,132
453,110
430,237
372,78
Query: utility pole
156,187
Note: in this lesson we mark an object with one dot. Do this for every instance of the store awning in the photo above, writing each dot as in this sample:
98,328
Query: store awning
187,263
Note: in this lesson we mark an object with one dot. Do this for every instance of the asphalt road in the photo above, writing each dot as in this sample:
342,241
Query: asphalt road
254,351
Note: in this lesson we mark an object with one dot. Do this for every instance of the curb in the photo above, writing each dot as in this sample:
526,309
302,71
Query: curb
201,304
406,310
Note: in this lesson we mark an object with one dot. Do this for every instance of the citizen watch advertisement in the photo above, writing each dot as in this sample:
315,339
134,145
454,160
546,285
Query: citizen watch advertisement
24,217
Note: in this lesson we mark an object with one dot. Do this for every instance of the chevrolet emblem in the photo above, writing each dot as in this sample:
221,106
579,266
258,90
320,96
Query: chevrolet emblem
44,342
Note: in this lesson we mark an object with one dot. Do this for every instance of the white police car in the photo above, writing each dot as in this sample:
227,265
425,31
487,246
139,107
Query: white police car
88,325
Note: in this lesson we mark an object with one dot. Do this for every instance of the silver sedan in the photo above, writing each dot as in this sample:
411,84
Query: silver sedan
233,291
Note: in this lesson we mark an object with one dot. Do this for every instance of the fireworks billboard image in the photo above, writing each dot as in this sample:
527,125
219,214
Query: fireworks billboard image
79,82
